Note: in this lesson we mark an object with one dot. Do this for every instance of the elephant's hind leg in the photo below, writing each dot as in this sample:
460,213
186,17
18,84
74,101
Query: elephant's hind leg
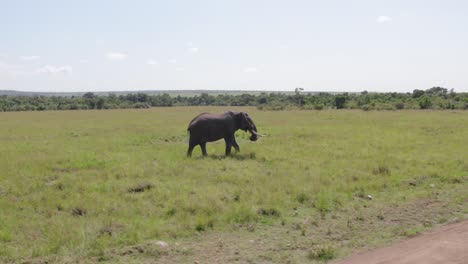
192,144
189,151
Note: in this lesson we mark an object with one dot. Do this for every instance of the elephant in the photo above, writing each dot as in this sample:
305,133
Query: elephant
208,127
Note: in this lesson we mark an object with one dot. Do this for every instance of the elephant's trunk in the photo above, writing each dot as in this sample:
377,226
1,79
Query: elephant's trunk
255,135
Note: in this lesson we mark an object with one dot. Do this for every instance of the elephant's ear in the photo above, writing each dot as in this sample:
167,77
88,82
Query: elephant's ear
243,123
245,117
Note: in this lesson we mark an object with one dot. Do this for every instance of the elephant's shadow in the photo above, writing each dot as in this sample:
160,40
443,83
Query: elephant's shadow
236,156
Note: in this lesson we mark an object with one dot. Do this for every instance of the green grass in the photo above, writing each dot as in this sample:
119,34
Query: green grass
55,163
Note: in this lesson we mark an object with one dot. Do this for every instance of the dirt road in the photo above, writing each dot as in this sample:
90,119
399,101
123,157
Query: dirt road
447,244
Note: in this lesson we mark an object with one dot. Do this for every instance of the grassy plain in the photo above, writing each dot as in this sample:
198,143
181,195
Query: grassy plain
66,181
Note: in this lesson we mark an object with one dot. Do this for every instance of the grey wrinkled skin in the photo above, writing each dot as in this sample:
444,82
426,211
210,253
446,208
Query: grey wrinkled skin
209,127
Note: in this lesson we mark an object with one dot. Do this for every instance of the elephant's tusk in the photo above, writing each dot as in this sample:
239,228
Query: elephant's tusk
257,134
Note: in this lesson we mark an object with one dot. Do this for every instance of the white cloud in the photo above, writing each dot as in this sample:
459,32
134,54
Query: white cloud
84,61
116,56
12,69
192,48
179,69
55,69
383,19
16,70
172,61
152,62
251,69
7,67
30,58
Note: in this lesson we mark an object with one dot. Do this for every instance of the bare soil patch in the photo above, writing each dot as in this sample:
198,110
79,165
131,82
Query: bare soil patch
447,244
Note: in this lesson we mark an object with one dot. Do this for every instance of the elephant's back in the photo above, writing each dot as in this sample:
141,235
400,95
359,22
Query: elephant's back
210,127
195,119
206,118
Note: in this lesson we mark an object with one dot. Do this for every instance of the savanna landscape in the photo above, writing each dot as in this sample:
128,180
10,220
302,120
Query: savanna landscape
239,131
115,186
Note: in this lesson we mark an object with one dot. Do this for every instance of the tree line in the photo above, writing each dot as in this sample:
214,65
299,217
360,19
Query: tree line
433,98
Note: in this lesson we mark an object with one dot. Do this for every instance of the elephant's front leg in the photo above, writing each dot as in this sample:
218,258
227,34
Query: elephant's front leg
228,145
234,144
203,148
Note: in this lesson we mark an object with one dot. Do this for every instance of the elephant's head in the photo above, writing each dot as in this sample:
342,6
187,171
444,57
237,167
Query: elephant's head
246,123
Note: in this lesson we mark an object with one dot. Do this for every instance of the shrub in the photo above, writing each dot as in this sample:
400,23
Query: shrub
352,105
400,105
318,107
273,107
418,93
141,105
76,106
340,102
425,102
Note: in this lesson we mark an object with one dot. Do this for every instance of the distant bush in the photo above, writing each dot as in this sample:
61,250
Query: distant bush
141,105
340,102
433,98
313,107
76,106
318,107
352,105
424,102
417,93
400,105
273,107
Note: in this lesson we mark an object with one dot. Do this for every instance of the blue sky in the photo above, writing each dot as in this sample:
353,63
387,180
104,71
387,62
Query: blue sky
104,45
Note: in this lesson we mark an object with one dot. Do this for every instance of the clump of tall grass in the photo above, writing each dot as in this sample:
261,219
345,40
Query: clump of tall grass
321,252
